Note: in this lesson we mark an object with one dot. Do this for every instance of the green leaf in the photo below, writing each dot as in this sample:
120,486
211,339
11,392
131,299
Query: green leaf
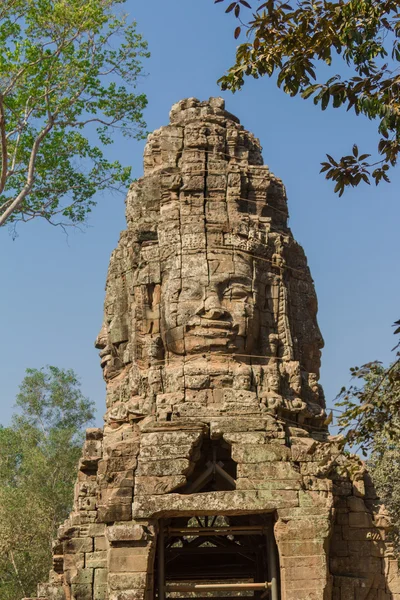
325,100
231,7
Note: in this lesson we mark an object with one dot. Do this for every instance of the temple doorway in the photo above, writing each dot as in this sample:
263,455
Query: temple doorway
217,557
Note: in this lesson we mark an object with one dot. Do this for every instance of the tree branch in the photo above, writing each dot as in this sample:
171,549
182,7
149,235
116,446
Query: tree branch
3,138
16,572
30,176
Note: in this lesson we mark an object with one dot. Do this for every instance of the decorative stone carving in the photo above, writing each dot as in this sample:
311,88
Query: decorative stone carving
208,277
210,350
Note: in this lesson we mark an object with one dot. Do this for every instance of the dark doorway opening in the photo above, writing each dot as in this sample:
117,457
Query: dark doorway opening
217,557
215,471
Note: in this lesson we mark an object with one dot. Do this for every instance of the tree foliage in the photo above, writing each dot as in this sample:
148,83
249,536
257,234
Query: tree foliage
292,42
39,454
371,421
68,70
384,466
370,410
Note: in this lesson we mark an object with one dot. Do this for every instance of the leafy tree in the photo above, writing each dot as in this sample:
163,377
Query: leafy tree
39,454
371,410
370,420
291,43
67,68
384,466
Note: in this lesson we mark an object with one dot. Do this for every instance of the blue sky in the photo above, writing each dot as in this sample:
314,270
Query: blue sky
53,288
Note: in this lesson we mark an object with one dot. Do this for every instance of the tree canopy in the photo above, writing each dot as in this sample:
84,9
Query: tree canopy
384,466
292,43
370,410
68,73
39,454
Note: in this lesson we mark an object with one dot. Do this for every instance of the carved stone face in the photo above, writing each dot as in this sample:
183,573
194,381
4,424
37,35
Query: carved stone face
216,312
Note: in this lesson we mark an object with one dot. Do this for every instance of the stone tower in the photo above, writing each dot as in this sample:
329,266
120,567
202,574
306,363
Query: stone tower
215,474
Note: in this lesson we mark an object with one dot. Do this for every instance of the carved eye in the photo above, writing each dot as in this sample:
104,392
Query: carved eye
236,292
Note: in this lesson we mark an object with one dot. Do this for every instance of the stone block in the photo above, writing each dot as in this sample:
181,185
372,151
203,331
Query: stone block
125,448
303,529
356,504
92,448
117,479
367,548
94,433
305,586
88,503
359,533
268,470
100,592
160,468
77,545
110,495
392,576
352,564
247,437
139,594
100,576
339,547
127,532
162,438
247,483
83,577
81,591
132,559
311,498
224,425
73,562
342,519
306,573
158,485
120,582
318,561
49,591
166,451
96,560
235,502
110,466
302,594
96,530
100,543
302,448
342,488
252,453
303,512
116,512
318,484
360,519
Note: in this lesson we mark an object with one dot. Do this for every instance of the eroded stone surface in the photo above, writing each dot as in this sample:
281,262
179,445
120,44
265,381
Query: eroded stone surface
210,334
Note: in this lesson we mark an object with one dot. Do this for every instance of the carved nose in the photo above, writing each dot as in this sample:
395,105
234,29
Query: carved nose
212,308
101,340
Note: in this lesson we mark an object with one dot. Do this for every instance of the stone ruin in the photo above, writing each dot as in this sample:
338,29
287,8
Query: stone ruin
215,474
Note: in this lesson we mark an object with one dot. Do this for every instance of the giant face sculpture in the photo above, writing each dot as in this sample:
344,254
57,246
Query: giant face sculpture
208,268
216,312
